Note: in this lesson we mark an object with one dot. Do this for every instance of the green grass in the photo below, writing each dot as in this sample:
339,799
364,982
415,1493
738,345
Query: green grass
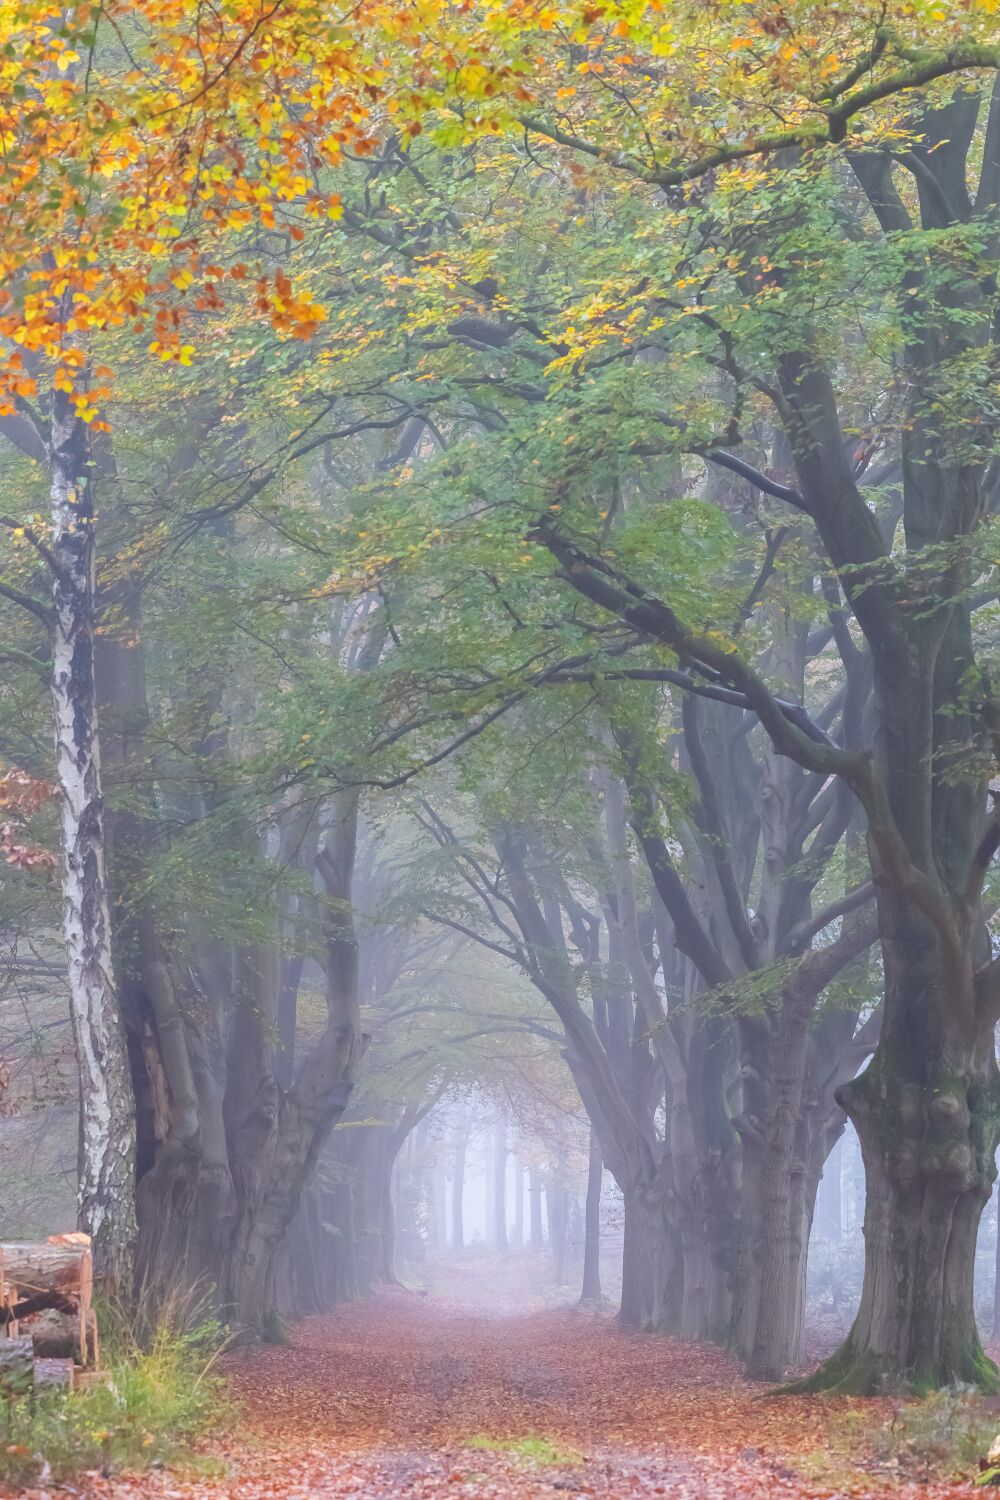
162,1393
532,1448
940,1437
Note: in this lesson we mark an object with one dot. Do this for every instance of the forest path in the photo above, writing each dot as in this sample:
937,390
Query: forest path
411,1397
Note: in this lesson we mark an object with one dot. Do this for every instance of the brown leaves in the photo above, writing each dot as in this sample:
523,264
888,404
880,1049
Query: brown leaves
21,796
404,1396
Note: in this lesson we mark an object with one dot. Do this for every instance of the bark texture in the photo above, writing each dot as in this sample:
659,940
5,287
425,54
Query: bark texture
107,1140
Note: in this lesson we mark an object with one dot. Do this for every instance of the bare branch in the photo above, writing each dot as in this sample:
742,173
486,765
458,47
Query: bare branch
759,479
804,933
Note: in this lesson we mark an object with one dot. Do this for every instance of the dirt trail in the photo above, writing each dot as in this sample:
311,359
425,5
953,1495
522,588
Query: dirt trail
411,1397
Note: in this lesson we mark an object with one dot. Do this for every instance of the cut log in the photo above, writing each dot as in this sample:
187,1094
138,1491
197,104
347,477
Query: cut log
16,1367
56,1273
56,1335
31,1267
61,1335
53,1374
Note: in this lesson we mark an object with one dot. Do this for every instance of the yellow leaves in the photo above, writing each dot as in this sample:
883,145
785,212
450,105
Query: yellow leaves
172,353
663,43
231,122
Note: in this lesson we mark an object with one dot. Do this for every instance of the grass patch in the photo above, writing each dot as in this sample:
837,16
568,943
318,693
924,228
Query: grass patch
533,1448
162,1393
941,1437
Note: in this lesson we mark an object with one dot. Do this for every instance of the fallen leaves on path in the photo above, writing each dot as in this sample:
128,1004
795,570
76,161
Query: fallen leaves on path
404,1396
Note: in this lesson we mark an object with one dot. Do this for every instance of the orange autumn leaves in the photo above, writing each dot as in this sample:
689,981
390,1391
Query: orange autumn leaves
140,143
439,1398
155,155
21,796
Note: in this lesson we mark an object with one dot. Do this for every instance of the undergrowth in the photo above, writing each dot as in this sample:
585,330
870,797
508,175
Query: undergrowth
941,1437
161,1393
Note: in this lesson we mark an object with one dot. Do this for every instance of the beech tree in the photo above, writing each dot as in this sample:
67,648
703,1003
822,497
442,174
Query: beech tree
921,176
478,323
925,1108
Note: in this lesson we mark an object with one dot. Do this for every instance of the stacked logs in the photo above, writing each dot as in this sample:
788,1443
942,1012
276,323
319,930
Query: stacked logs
48,1330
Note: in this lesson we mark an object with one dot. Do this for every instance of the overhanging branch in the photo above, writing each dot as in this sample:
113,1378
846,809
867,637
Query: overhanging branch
790,729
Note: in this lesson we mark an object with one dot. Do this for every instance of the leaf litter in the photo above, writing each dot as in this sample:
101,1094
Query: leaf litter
408,1397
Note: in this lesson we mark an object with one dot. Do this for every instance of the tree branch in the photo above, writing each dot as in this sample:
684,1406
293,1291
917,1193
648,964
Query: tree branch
804,933
760,480
821,965
27,601
718,840
791,731
842,101
689,933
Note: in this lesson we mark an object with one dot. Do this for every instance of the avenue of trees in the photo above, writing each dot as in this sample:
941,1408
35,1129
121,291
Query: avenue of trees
500,510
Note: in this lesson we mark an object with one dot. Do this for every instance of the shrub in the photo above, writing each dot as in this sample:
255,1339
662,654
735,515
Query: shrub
942,1436
161,1393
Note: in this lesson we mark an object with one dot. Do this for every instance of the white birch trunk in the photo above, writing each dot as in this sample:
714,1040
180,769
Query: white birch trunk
106,1204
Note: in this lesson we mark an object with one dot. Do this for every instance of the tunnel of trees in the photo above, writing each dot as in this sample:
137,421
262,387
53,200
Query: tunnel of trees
505,535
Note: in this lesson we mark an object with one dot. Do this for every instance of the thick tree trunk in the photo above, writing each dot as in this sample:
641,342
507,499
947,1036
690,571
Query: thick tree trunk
274,1147
927,1112
107,1135
776,1299
591,1289
652,1288
275,1134
185,1206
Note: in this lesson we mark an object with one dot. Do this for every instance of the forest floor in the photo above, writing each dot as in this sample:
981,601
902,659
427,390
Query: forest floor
417,1396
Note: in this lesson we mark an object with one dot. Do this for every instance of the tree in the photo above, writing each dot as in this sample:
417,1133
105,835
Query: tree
926,1107
78,260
